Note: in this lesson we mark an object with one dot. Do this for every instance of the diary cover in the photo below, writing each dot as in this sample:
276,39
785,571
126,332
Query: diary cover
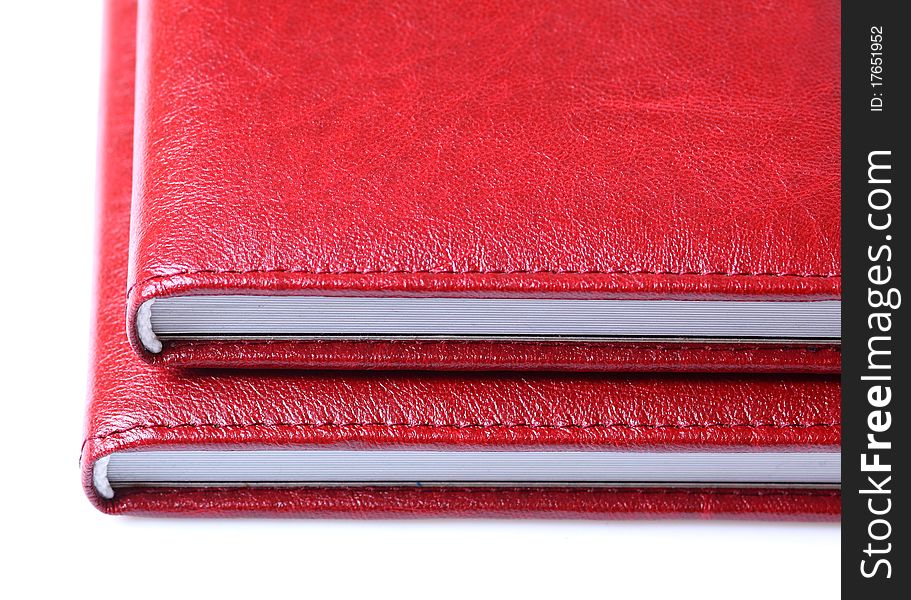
137,410
581,185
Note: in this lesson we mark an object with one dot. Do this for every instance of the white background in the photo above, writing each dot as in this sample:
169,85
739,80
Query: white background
52,538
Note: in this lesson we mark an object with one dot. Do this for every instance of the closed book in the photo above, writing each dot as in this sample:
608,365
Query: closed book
579,185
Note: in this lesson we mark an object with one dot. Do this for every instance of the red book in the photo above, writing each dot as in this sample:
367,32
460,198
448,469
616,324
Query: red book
470,185
410,444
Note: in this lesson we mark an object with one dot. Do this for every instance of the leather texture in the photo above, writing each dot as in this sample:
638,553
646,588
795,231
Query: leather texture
577,148
508,356
541,503
135,405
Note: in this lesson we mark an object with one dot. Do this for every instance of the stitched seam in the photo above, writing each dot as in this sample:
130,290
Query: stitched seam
478,272
465,426
181,344
468,489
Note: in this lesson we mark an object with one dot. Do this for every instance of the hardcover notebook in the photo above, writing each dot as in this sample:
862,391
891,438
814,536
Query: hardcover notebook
468,185
357,444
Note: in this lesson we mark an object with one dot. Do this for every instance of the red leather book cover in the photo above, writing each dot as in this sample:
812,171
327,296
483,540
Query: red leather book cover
581,150
134,405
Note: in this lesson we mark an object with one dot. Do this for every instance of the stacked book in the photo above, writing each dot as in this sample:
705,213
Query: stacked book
578,259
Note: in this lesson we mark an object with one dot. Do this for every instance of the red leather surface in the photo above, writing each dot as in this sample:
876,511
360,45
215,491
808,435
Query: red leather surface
574,148
515,356
541,503
133,404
